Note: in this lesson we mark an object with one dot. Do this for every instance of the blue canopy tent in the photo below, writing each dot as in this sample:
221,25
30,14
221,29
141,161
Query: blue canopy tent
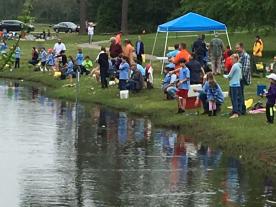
190,22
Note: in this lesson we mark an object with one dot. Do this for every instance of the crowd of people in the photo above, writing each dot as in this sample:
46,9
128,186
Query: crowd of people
122,63
187,68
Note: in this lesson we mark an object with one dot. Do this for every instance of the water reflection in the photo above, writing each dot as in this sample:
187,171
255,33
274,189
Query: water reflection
57,153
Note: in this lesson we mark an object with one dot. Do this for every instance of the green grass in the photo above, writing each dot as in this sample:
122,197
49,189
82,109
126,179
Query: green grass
248,135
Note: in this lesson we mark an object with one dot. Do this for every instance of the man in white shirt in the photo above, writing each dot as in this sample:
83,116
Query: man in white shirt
59,46
90,30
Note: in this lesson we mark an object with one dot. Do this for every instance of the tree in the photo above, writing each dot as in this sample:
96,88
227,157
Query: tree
26,12
83,16
124,22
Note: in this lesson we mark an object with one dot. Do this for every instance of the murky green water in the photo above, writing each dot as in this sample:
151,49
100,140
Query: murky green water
53,153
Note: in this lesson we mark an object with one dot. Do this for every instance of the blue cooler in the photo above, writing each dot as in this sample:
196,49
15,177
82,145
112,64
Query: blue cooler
260,89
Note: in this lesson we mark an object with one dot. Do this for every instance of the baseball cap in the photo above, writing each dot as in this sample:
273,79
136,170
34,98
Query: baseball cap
272,76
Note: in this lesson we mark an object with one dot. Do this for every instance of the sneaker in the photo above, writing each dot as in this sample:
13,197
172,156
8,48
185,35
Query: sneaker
214,113
234,116
180,111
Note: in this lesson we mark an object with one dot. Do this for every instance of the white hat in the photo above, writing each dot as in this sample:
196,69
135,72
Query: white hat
272,76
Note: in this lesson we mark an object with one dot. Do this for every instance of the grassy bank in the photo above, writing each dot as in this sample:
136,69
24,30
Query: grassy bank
248,136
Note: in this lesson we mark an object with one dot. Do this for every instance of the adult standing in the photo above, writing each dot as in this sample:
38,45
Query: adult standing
257,51
246,71
90,31
128,50
118,38
104,65
183,54
195,70
200,49
234,77
139,49
216,51
115,49
58,47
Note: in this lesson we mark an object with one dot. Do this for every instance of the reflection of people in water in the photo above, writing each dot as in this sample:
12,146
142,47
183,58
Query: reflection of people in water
139,127
122,128
179,161
232,189
34,93
168,142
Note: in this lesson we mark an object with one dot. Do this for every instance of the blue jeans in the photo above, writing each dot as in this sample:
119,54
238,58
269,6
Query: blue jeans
243,111
236,99
122,84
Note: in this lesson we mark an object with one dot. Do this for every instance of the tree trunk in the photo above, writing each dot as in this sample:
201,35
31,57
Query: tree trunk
124,23
83,16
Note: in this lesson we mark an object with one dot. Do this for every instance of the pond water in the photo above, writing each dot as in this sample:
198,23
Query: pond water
58,153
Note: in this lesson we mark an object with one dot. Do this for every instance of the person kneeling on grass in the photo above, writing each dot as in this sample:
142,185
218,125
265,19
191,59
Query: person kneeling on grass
214,94
271,98
136,81
168,84
87,64
183,86
203,95
69,72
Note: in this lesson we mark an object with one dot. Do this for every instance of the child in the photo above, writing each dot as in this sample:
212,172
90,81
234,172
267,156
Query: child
43,59
50,61
183,86
228,62
69,72
17,57
79,57
149,76
124,73
271,98
214,94
87,64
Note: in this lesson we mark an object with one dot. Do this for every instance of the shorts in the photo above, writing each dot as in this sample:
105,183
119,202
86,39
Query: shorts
182,93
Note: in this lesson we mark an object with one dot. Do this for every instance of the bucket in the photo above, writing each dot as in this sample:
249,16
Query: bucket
124,94
260,89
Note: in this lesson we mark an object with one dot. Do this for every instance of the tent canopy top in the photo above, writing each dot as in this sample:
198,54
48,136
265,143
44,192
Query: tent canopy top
191,22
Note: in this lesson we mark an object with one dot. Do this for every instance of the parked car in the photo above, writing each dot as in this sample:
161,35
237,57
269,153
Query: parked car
66,27
15,26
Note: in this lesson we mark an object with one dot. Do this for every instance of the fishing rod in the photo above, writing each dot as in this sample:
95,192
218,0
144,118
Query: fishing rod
77,101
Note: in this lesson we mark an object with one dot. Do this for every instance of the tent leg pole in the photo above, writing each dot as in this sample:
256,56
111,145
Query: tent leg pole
153,46
228,40
164,52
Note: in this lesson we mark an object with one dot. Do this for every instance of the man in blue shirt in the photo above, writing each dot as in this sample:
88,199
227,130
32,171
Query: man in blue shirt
183,86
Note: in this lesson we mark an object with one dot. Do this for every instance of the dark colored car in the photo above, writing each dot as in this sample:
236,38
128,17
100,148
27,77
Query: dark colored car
15,26
66,27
